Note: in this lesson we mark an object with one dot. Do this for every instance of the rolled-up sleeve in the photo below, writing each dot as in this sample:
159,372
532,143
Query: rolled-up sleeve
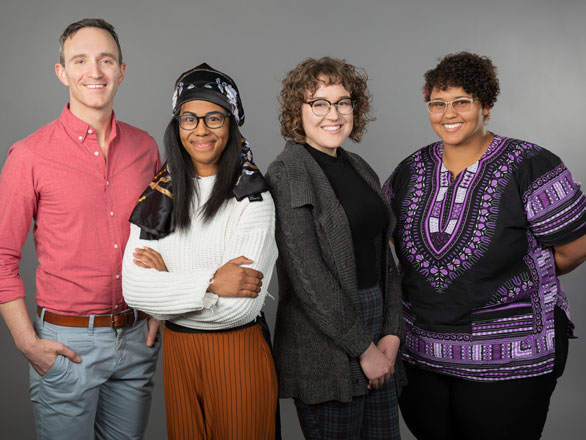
18,202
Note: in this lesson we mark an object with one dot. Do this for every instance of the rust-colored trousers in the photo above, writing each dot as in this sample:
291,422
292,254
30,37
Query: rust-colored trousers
219,385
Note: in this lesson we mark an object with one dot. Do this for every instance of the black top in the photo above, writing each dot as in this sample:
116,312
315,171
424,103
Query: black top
366,212
478,269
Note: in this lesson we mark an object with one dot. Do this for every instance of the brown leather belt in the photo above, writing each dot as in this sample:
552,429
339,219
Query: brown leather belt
117,320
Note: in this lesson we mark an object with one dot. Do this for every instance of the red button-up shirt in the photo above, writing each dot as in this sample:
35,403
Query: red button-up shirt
80,202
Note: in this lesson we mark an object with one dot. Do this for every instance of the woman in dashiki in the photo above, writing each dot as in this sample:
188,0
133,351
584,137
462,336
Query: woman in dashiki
486,225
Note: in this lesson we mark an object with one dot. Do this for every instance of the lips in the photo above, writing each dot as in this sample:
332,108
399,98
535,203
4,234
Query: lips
203,145
332,128
452,127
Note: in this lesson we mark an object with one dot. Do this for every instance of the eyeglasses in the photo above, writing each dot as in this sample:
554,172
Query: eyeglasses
190,121
458,105
321,107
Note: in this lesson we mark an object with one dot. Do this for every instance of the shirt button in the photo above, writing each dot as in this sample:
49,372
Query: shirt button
96,153
80,138
90,131
116,307
107,183
117,276
111,213
115,245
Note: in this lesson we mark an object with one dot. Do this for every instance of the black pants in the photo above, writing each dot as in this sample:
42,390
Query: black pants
440,407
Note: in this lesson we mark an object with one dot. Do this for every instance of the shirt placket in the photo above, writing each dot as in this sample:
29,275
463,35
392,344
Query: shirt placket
103,167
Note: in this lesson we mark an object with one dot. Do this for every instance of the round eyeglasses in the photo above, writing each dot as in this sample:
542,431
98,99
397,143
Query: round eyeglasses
190,121
321,107
458,105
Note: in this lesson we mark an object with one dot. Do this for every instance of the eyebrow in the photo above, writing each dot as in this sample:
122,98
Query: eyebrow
195,114
315,98
457,97
100,55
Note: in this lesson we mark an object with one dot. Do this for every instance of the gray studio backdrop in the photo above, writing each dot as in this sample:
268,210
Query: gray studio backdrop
538,46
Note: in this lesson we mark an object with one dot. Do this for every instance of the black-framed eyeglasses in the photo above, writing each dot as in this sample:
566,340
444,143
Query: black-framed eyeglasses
190,121
458,105
321,107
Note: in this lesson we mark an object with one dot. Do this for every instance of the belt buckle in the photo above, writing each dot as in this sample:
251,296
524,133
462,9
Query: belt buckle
124,316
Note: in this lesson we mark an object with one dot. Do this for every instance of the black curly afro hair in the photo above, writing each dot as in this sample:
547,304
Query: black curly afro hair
474,73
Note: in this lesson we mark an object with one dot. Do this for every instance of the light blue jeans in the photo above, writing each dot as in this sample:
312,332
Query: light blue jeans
109,391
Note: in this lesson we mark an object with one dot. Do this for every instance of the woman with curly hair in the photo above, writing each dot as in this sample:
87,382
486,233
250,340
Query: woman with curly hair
486,224
339,323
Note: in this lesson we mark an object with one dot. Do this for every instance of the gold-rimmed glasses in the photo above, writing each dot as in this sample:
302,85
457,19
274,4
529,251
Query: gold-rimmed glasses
458,105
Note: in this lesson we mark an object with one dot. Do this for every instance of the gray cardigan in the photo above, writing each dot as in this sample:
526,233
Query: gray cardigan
319,334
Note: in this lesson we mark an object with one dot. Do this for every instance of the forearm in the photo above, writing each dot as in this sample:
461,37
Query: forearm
41,353
165,294
258,244
394,323
227,312
570,255
161,294
565,264
16,317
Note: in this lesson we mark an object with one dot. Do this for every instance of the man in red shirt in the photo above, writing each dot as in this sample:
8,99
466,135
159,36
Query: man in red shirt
92,358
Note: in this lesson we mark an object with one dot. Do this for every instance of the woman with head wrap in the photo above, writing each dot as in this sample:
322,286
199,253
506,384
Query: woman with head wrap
202,240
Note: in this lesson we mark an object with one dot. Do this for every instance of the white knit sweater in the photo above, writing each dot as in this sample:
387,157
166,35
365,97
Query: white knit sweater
192,257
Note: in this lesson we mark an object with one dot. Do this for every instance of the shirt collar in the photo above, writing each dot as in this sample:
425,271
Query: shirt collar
79,129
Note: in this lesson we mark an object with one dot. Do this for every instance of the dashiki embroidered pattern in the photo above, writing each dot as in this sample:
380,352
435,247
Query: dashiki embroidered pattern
478,272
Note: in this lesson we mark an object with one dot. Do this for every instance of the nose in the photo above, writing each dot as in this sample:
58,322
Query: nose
95,69
333,112
201,129
450,112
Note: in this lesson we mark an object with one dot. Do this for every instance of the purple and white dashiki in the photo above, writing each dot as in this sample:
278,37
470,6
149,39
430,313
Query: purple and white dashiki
477,267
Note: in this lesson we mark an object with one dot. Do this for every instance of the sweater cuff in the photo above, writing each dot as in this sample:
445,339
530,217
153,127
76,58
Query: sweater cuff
395,327
356,340
209,300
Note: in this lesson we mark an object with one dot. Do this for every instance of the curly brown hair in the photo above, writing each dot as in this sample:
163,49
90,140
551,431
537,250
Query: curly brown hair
474,73
308,76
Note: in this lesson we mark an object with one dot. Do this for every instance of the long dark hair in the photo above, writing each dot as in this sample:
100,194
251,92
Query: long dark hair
183,175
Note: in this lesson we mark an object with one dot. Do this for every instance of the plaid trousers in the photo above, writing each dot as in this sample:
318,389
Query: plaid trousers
373,416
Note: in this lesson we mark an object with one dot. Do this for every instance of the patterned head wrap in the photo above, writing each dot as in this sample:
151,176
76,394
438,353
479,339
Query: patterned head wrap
208,84
154,210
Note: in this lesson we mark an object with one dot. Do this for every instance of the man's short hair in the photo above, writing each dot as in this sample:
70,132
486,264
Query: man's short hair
87,22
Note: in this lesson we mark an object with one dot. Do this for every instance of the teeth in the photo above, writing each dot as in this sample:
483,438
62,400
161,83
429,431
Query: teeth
453,125
95,86
332,127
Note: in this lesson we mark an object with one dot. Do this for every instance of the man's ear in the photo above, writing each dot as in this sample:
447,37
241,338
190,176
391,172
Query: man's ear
122,73
60,72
